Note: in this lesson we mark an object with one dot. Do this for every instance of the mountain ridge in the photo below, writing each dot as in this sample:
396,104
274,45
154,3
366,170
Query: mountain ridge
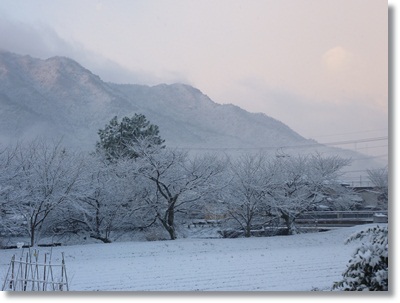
58,97
60,91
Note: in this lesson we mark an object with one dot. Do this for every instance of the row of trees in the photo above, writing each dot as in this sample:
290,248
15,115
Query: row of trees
134,182
284,187
46,189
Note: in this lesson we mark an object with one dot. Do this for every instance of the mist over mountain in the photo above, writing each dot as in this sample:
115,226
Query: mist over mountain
58,97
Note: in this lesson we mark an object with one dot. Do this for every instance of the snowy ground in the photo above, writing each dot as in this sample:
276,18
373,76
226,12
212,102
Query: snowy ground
284,263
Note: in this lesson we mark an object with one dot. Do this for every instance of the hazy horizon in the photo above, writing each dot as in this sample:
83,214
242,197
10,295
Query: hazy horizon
319,67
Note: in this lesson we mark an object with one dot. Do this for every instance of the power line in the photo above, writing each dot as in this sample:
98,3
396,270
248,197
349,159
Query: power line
372,157
351,133
335,143
358,141
357,171
368,147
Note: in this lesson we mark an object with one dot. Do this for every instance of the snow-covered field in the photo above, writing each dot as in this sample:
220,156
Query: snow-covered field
284,263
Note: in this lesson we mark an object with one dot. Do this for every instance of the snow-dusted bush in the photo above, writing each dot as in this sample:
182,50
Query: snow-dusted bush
368,268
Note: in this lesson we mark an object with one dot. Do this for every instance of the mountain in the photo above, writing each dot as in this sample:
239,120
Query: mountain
58,97
191,119
53,97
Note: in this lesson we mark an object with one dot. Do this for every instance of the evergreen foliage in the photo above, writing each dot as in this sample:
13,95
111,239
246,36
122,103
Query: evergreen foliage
123,139
368,268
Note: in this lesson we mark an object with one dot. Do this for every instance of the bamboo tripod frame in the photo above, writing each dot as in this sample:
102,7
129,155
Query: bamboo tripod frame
28,274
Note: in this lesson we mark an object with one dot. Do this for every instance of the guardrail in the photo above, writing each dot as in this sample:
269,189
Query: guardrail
341,218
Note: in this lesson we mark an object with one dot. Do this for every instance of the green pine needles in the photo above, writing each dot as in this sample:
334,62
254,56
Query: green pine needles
126,139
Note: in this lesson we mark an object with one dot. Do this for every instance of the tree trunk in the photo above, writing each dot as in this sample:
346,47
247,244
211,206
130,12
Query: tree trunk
32,236
247,231
169,228
289,222
169,222
99,237
172,233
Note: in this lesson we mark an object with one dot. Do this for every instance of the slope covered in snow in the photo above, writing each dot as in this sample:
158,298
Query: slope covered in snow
63,97
58,98
190,119
301,262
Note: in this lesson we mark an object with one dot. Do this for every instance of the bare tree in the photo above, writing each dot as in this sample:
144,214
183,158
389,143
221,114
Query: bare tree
45,178
380,180
245,200
302,182
9,223
110,201
176,181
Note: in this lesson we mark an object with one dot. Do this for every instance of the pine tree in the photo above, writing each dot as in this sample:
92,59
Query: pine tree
125,139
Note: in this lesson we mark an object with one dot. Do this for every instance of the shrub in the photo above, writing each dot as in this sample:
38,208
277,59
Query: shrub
368,267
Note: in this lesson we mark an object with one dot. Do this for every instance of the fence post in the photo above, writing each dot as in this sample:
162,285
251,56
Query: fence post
63,272
26,273
21,274
12,272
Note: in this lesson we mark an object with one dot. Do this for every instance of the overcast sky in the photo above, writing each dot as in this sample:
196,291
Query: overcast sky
319,66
